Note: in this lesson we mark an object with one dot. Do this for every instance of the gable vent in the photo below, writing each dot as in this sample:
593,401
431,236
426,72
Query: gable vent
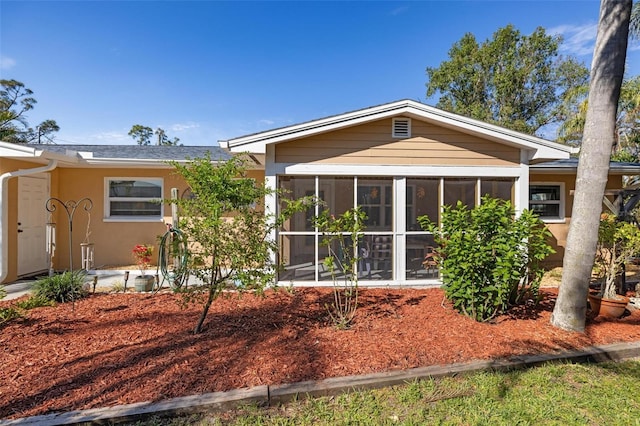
401,128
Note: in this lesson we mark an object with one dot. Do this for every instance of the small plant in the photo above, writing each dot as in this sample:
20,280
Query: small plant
617,242
117,287
341,236
35,301
8,314
65,287
142,255
490,260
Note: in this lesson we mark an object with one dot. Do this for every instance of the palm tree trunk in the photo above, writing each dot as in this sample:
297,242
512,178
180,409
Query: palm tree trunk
607,70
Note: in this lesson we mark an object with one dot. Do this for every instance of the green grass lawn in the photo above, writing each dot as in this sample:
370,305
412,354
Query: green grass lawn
555,394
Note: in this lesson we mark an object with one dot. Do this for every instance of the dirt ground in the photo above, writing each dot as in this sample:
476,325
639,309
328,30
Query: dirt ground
114,349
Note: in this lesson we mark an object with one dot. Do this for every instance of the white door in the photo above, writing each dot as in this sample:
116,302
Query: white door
33,192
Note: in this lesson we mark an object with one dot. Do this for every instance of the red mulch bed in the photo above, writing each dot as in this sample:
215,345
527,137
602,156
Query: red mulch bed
125,348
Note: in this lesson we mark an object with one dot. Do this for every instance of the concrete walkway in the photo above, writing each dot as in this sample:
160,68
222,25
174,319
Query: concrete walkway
106,280
277,394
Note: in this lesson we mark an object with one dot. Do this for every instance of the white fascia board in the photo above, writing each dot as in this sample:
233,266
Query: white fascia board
256,143
541,148
395,170
133,162
21,152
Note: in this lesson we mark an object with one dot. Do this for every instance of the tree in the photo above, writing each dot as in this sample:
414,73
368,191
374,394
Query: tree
230,244
142,135
163,139
634,21
627,144
15,101
515,81
607,70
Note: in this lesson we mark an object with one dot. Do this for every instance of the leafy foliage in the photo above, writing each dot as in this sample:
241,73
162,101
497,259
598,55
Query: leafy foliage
617,243
65,287
341,236
142,255
142,135
516,81
231,241
15,101
34,301
8,314
490,260
627,134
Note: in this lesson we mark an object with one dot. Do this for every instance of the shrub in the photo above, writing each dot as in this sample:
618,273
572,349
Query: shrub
35,301
9,313
489,259
65,287
341,236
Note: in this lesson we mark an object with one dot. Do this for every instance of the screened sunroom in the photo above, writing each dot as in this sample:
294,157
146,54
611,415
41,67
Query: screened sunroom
397,162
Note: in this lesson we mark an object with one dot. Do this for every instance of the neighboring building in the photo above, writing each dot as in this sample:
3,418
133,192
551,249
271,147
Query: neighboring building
397,161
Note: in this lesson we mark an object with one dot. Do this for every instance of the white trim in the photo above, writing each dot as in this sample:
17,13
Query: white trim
381,170
539,148
562,202
107,217
4,211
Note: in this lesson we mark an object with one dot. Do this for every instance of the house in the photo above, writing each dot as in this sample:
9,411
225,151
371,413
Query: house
114,189
397,161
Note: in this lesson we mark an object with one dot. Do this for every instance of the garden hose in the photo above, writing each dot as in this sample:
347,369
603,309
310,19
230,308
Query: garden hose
172,258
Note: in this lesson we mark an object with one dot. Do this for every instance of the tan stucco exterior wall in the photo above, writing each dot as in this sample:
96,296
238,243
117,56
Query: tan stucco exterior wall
561,230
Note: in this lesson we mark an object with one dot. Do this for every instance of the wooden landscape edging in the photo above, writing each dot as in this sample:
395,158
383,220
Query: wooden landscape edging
277,394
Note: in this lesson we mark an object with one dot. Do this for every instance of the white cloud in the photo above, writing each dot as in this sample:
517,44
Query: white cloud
578,40
110,138
184,126
266,122
6,63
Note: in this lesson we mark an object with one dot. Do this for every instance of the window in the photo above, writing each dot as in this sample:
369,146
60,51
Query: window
547,200
133,198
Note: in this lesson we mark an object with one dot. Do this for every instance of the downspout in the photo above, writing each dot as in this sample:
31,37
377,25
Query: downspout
4,211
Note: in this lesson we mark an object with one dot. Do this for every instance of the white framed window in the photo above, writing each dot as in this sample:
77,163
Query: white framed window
133,199
547,200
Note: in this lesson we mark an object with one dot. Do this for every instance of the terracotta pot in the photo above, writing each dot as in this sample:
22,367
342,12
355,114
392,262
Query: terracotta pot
611,308
144,283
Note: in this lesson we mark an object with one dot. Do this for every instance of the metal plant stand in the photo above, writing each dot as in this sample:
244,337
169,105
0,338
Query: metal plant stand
69,207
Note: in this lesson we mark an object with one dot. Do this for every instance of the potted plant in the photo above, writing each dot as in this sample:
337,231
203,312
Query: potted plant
142,254
618,241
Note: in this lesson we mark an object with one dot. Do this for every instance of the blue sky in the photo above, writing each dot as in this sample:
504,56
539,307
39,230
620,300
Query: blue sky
211,70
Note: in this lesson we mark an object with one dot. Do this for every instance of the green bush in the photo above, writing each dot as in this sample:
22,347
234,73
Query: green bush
489,259
9,313
35,301
65,287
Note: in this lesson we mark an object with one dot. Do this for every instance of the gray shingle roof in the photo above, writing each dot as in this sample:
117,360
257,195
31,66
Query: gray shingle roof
144,152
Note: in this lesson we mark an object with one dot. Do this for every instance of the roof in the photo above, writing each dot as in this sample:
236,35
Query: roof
570,165
140,152
540,149
112,155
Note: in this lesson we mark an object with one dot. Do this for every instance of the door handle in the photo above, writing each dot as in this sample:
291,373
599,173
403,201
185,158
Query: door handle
20,230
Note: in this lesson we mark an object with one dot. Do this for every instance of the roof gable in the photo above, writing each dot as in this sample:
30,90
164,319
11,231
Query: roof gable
538,148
